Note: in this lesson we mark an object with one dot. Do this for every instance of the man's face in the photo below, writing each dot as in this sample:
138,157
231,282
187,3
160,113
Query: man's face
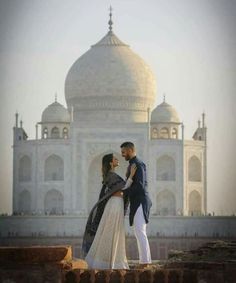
126,153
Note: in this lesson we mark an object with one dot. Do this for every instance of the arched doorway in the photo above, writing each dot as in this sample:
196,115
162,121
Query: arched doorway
54,168
194,203
53,202
166,203
165,168
24,172
24,202
194,169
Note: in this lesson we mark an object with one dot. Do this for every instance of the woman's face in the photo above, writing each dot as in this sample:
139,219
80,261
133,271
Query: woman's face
115,162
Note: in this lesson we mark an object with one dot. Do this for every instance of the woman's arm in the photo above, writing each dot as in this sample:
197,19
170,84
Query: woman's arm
129,181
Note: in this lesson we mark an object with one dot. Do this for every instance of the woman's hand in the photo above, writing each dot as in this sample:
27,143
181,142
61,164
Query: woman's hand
133,169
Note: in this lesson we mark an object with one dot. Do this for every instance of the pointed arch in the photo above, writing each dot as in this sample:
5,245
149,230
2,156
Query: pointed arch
54,168
25,165
174,133
154,133
195,203
24,204
53,202
166,203
55,133
164,133
45,133
165,168
194,169
65,133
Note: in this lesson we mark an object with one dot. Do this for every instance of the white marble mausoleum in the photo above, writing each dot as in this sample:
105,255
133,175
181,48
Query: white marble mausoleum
110,94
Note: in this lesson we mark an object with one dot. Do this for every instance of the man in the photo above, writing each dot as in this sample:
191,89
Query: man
140,202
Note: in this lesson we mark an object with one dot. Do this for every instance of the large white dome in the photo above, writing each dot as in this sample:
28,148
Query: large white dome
110,82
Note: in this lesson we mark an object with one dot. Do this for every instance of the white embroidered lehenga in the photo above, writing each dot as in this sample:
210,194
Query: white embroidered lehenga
108,247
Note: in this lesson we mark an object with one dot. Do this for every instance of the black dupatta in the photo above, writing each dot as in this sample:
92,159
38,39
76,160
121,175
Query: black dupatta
113,184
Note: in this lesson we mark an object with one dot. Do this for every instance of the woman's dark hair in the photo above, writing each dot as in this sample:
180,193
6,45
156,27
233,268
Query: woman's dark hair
106,166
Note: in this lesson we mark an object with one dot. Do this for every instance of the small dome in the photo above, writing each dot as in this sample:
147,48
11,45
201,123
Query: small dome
164,113
55,113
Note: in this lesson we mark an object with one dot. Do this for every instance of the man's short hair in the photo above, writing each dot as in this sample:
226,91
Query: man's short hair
127,145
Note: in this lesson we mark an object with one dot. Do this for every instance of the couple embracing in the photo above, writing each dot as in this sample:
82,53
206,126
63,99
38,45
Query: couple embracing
104,239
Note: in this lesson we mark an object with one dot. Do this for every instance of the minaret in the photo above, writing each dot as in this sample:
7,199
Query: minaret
200,133
18,132
183,181
17,116
19,136
199,124
36,131
205,161
203,119
203,126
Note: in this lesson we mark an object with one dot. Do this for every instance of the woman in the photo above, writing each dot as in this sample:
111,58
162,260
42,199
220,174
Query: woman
104,238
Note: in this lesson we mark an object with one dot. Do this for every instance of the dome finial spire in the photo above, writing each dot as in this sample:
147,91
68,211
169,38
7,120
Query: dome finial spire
164,97
110,21
55,97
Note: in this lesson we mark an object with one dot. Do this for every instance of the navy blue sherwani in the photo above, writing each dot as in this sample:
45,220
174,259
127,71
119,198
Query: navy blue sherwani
137,192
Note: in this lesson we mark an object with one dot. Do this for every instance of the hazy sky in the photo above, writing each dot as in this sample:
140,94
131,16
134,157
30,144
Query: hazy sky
189,44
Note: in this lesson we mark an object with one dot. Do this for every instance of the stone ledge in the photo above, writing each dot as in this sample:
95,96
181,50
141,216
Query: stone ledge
35,254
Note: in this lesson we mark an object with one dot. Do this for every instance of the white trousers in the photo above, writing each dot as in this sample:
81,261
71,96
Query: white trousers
141,236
